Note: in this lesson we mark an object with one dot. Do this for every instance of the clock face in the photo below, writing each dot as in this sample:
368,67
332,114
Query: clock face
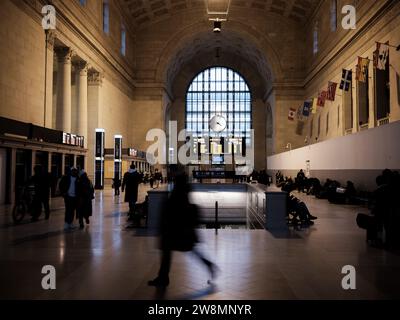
217,123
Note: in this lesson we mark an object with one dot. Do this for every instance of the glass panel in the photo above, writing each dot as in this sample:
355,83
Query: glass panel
223,91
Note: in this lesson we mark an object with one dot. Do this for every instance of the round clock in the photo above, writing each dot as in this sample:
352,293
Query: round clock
217,123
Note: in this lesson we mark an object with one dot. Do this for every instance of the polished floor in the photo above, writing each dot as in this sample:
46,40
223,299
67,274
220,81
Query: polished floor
108,261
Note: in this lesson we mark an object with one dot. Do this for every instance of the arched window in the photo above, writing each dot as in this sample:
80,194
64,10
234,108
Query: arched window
333,15
222,92
315,38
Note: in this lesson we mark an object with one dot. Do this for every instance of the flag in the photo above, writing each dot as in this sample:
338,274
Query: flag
300,113
307,108
321,99
347,76
331,91
314,105
362,69
292,114
381,56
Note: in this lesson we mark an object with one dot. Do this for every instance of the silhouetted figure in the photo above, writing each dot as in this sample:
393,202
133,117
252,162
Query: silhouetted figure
300,179
177,231
41,182
85,194
130,185
68,189
116,185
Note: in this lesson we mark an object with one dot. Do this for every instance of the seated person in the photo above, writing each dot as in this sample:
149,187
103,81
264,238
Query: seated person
298,209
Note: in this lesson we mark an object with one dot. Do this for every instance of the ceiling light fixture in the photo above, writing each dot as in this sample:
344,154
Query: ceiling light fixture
217,24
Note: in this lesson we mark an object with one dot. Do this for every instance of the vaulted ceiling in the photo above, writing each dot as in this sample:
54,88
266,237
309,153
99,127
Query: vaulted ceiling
145,12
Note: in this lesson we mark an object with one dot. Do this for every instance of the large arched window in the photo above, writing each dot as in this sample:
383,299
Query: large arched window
223,92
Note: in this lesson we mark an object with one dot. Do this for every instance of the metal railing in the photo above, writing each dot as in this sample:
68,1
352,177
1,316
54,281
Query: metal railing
383,121
364,126
348,131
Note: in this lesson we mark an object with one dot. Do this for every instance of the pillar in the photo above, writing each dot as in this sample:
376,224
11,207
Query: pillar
33,161
12,175
371,96
48,99
63,119
95,81
82,85
63,163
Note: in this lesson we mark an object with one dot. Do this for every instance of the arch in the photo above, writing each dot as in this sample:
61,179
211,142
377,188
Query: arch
177,49
218,91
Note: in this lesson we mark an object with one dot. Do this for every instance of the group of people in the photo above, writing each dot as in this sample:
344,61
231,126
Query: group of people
154,178
78,193
331,190
261,177
383,222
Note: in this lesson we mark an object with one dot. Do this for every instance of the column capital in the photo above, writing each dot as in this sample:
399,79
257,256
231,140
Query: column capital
51,36
64,54
82,67
95,77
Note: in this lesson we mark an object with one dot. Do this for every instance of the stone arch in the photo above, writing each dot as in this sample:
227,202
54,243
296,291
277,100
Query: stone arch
254,46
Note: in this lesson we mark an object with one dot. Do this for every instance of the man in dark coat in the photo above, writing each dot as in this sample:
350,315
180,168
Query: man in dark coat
41,182
85,196
177,231
69,190
130,184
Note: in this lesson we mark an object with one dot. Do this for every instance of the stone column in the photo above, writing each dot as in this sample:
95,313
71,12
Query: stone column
48,98
63,120
63,164
371,96
82,85
33,161
95,81
12,175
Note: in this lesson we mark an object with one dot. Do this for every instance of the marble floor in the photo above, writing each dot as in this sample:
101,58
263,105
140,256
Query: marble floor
108,261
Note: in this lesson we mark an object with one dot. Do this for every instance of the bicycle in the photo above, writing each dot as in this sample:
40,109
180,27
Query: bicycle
24,203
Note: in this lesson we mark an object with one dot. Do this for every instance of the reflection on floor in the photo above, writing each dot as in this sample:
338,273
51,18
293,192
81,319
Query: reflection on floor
107,261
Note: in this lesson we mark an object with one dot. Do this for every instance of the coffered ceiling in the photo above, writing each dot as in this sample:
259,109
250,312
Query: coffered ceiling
145,12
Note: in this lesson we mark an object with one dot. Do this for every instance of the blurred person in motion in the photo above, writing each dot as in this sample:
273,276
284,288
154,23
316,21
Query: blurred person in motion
177,231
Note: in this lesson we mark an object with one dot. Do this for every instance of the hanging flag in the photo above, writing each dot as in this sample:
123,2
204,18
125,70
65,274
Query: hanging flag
381,56
347,76
314,105
307,108
331,91
362,69
300,113
321,99
292,114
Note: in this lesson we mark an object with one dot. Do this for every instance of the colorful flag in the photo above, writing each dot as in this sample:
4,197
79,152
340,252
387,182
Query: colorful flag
300,113
307,108
331,91
381,56
314,105
321,99
347,76
362,69
292,114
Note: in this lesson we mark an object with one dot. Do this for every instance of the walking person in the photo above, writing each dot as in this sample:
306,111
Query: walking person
41,182
68,189
130,185
177,231
85,195
116,185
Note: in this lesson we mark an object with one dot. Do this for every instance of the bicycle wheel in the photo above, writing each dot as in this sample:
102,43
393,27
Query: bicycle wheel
19,212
